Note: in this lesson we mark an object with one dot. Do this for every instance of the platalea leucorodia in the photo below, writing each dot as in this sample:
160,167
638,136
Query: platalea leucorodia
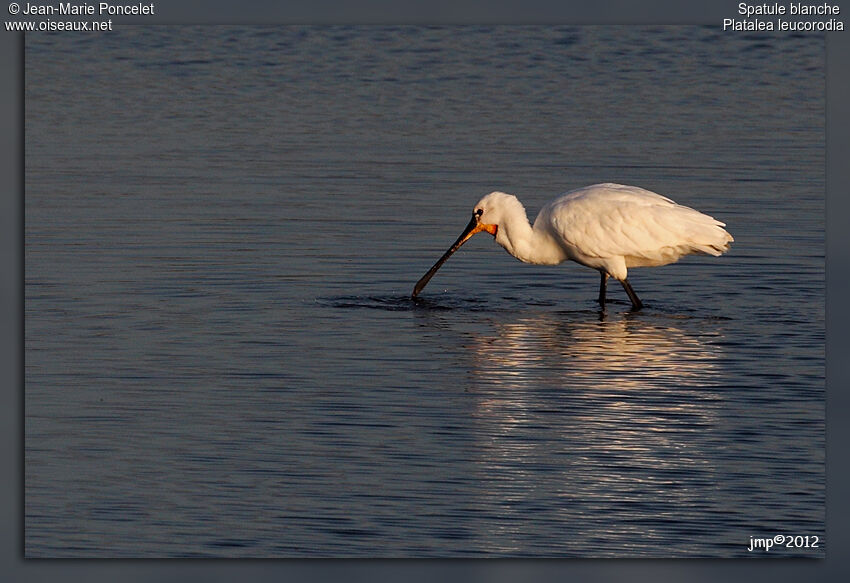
609,227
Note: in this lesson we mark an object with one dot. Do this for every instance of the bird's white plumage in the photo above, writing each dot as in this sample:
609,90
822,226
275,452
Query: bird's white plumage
609,227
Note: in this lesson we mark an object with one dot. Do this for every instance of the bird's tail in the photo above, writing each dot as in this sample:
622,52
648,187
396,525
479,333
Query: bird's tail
715,240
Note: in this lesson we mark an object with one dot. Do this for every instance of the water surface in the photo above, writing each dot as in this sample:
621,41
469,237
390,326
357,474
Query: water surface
223,227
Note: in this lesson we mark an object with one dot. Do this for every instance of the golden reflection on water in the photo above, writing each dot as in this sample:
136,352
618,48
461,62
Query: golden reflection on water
593,420
628,352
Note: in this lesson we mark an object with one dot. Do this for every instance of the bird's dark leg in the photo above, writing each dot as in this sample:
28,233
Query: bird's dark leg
636,303
603,285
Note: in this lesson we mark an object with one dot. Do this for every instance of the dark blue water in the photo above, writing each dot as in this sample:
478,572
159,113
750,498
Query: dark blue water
223,227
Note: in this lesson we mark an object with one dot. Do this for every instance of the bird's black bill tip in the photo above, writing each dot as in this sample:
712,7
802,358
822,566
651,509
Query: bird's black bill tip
472,228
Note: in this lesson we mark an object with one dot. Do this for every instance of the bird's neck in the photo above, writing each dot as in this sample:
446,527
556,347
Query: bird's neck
527,244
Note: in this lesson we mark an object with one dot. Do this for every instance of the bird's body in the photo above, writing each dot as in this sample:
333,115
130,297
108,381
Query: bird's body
608,227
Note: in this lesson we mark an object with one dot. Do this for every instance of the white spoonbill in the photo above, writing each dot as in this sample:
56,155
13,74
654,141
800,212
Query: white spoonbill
609,227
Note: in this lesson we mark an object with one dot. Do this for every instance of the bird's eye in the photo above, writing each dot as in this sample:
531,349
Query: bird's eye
479,212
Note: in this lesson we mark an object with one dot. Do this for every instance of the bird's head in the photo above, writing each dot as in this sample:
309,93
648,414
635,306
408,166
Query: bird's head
486,216
495,211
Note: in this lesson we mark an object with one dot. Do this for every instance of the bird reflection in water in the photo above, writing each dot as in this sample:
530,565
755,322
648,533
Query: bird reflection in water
607,421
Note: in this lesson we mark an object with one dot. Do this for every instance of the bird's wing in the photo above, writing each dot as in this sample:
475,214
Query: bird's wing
611,220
